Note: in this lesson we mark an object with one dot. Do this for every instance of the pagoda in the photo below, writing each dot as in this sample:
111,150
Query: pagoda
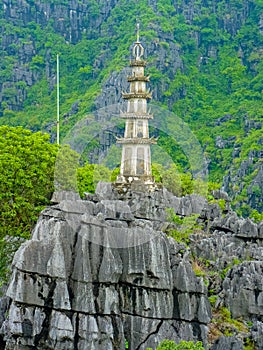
135,170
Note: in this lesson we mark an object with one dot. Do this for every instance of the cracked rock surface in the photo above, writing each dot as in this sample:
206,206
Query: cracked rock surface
99,272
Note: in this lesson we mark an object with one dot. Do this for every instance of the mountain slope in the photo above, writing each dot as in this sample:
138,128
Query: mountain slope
204,58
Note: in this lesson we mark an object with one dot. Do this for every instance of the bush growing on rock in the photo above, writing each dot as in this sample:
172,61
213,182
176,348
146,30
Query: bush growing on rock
183,345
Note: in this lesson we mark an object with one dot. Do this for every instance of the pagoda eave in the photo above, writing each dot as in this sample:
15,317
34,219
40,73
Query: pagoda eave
132,78
136,116
137,140
131,95
138,63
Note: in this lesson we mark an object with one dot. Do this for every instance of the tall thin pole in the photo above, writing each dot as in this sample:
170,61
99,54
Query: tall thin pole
58,99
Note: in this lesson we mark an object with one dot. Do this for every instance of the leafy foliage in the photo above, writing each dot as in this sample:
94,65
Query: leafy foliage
183,345
26,183
178,182
89,175
183,226
223,324
26,163
31,168
65,174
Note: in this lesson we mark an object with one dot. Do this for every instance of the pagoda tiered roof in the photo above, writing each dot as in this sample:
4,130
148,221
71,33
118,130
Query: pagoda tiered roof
138,63
130,115
136,140
129,95
131,78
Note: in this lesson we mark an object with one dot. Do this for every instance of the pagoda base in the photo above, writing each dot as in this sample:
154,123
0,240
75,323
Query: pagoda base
144,183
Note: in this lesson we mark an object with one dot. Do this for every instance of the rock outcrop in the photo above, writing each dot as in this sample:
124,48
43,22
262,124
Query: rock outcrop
100,272
227,343
234,248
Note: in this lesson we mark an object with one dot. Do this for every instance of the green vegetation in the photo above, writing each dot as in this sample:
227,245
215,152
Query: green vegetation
89,175
256,216
223,324
182,345
173,179
65,172
207,70
180,182
183,226
26,184
31,168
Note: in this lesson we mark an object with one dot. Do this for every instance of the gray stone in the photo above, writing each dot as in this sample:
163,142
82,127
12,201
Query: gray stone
227,343
97,333
257,334
248,229
148,303
185,279
77,206
219,194
211,212
149,333
223,248
61,331
59,196
191,204
138,329
243,289
171,200
94,269
82,297
104,190
115,209
260,230
4,303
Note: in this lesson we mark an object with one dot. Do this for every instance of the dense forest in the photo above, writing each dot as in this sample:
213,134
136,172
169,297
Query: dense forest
204,59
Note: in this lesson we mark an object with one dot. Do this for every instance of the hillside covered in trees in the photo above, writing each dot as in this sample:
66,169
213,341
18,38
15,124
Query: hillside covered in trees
204,59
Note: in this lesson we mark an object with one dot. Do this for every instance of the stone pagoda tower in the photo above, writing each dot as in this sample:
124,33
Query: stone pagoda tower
135,171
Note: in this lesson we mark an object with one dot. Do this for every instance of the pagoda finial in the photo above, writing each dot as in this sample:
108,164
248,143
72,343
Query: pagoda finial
138,32
138,49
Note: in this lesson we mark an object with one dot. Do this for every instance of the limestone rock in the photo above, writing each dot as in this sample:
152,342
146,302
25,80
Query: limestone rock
257,334
248,229
243,289
98,272
228,343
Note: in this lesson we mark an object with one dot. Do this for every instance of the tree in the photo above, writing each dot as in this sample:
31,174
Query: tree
89,175
173,180
85,177
26,184
66,167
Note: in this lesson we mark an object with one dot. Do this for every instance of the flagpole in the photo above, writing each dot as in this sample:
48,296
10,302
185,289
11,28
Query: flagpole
57,99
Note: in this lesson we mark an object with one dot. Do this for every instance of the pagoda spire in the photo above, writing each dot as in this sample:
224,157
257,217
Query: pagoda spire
135,170
138,32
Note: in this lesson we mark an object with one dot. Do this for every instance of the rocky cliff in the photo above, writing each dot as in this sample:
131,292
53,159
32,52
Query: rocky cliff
101,273
31,57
